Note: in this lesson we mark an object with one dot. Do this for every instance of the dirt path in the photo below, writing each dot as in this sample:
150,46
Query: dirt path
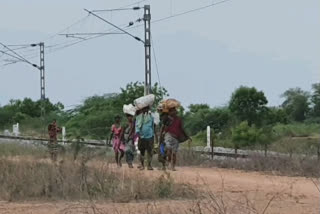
285,195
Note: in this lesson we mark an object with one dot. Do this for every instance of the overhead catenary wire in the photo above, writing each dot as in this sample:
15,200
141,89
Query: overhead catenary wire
84,18
18,56
136,3
60,46
68,27
22,57
63,45
124,31
119,9
190,11
156,61
182,13
13,56
86,34
72,43
123,8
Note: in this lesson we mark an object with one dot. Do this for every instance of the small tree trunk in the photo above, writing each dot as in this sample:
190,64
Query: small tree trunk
318,152
236,152
265,150
212,147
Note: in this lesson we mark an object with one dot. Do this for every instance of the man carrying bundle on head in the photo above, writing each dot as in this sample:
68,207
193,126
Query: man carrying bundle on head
145,129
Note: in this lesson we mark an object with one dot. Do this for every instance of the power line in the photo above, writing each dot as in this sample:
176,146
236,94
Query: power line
84,18
74,43
126,7
20,48
11,55
124,31
86,34
156,61
190,11
71,25
60,46
136,3
119,9
19,57
182,13
69,44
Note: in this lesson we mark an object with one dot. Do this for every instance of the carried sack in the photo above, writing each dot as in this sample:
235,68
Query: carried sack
172,103
129,109
145,101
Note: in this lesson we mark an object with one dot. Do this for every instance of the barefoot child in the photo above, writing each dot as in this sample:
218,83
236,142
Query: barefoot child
117,144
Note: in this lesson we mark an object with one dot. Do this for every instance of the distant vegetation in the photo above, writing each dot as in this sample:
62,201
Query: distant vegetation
246,122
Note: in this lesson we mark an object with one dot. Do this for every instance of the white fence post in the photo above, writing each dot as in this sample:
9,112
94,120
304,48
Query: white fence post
208,137
15,129
63,134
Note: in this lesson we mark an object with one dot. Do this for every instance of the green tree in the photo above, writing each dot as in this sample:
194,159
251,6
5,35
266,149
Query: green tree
194,108
296,104
275,115
265,136
96,115
20,110
244,135
135,90
315,99
196,121
248,104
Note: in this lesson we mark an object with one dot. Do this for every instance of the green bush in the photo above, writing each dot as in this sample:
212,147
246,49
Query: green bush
296,130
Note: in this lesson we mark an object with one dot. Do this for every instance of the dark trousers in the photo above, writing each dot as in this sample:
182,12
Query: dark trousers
53,148
146,145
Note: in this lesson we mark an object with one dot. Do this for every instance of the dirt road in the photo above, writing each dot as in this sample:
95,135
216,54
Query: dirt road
239,192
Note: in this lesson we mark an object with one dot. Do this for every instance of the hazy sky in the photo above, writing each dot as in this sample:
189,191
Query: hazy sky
202,57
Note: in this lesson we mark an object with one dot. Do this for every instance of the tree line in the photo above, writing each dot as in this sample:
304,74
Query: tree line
245,120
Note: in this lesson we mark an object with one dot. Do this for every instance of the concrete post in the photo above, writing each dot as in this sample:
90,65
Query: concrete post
208,137
63,134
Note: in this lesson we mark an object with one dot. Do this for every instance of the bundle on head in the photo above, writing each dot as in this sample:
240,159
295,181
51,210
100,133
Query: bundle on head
129,109
144,102
168,104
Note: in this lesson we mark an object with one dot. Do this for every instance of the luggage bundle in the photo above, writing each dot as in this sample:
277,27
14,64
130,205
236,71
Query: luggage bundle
129,109
140,103
165,105
145,101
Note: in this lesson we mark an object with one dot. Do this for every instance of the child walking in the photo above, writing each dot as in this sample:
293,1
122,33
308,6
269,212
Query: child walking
117,144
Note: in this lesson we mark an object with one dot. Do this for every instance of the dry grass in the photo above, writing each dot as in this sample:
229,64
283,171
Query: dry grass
303,166
207,203
68,180
278,165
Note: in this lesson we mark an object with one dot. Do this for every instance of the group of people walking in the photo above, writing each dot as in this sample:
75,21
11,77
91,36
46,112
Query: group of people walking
142,134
